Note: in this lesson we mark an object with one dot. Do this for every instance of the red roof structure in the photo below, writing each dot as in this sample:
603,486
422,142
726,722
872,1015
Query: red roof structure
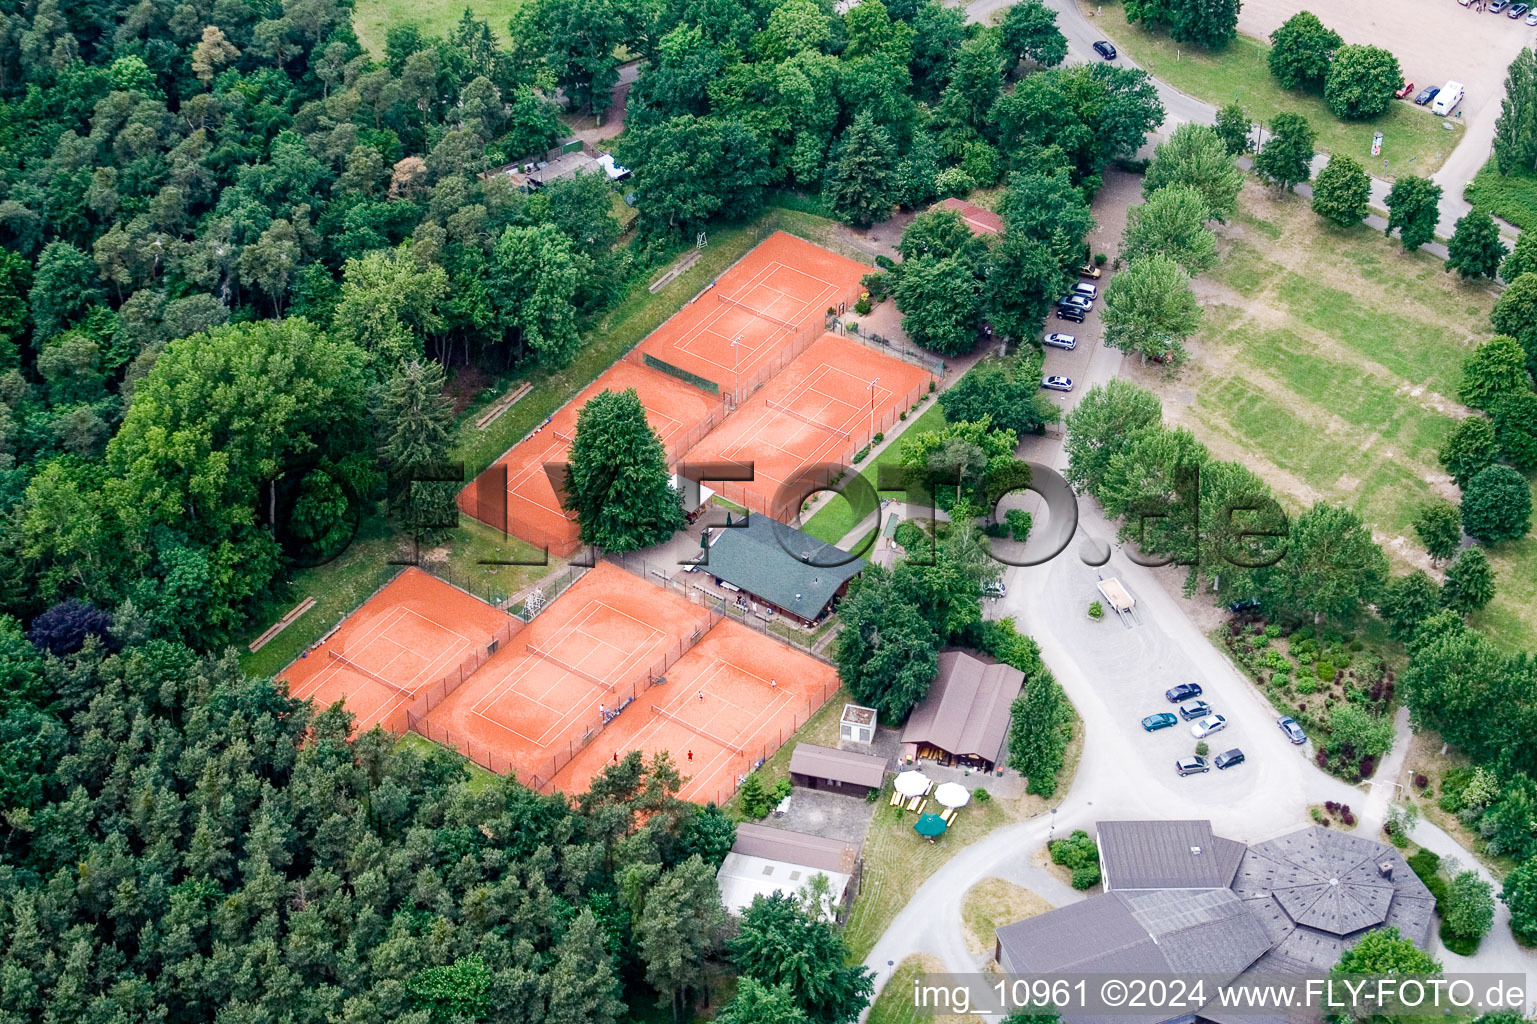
980,221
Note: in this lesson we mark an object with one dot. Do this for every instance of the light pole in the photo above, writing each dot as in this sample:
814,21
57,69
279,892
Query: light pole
872,406
736,346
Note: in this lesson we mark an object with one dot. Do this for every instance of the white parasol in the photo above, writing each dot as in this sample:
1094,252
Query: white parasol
953,794
911,783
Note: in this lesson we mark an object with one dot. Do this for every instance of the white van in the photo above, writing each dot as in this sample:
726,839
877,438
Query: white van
1447,99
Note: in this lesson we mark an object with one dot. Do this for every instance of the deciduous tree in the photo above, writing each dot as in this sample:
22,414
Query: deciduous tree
1515,132
1171,223
1414,209
781,942
1285,160
1300,51
1361,81
1341,191
1495,370
1475,249
1150,309
1105,423
1030,32
1469,582
1469,448
1196,156
1406,601
1233,128
1439,526
1332,568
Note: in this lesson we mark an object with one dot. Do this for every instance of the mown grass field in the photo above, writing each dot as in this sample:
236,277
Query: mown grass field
1329,363
837,517
372,19
1415,141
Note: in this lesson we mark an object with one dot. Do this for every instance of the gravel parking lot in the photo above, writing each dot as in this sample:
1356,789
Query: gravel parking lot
1434,40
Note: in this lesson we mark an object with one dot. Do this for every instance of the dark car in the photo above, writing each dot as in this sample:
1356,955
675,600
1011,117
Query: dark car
1070,313
1248,604
1427,94
1517,11
1104,49
1182,692
1162,720
1191,766
1228,758
1292,730
1195,709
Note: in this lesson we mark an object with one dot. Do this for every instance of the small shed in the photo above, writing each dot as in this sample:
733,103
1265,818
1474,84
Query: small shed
841,771
766,860
857,724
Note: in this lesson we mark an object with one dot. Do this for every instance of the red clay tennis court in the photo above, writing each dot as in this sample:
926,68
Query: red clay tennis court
756,693
412,633
821,409
756,316
526,505
547,692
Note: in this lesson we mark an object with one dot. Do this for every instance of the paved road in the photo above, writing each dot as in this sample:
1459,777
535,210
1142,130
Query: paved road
1115,675
1460,166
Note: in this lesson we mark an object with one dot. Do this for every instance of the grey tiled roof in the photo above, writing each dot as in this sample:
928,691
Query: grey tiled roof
1274,910
842,765
966,711
781,565
1166,855
795,848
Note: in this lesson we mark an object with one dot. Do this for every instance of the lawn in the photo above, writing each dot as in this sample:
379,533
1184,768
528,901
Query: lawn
479,779
895,1003
1513,198
1415,141
993,903
1329,363
837,517
372,19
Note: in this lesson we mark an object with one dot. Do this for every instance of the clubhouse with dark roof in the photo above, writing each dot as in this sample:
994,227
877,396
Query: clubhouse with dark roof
772,564
1180,900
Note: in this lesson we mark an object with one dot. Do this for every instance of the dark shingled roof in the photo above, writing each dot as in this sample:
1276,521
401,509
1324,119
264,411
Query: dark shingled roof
1290,905
966,711
840,765
781,565
1206,932
1166,855
795,848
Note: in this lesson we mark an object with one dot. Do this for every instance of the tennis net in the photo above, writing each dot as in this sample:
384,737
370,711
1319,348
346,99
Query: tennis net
755,311
781,407
374,676
694,728
563,437
594,680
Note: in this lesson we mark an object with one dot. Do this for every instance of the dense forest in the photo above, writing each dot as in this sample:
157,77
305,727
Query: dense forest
240,259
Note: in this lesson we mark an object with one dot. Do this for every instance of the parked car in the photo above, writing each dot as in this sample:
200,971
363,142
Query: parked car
1071,313
1228,758
1104,49
1404,90
1195,709
1086,289
1427,94
1531,17
1162,720
1247,604
1066,341
1083,302
1182,692
1191,766
998,589
1498,5
1208,725
1292,730
1517,10
1090,271
1056,383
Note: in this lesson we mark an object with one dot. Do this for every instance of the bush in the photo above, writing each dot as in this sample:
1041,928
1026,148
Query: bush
1096,611
878,438
902,415
1100,259
861,455
1086,877
1202,749
1076,851
981,795
863,307
909,535
1018,522
1325,671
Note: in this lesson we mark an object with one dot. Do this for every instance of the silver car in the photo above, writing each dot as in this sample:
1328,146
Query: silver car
1066,341
1208,725
1057,384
